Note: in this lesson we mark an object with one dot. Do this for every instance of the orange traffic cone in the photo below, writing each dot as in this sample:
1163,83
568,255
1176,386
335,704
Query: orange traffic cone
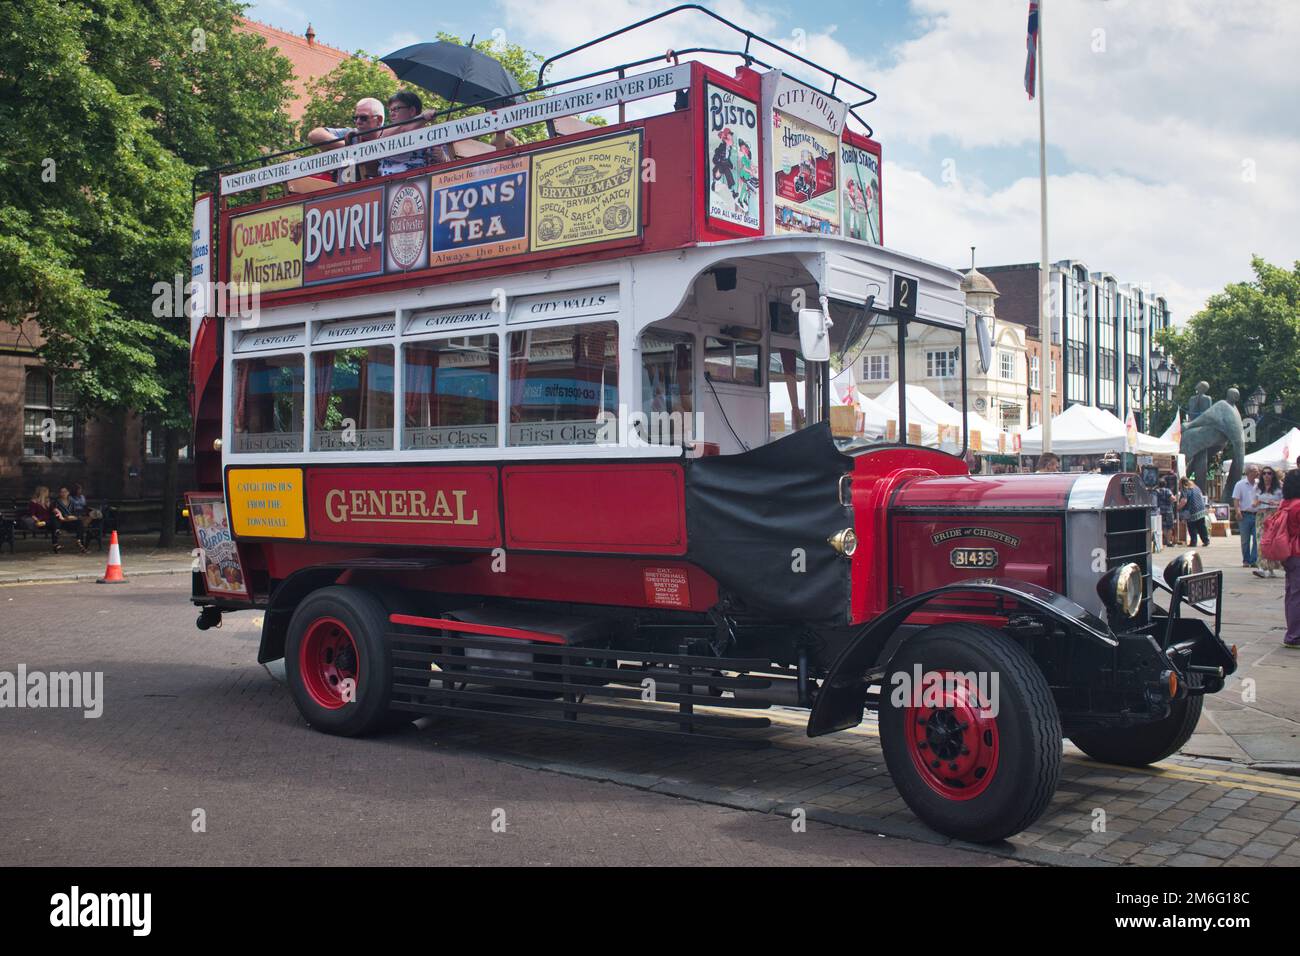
113,573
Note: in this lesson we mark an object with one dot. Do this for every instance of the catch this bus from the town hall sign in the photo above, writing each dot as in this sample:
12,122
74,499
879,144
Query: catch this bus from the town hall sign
518,435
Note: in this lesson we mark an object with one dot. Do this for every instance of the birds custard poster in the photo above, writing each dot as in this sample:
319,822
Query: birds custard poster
734,165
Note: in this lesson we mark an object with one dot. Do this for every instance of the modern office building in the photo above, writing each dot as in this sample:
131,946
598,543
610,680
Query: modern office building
1102,326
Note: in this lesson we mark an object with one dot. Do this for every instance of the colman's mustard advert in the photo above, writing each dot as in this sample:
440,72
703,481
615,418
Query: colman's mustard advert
266,247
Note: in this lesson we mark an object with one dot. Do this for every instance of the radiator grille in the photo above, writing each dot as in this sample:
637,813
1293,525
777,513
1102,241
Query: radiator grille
1128,538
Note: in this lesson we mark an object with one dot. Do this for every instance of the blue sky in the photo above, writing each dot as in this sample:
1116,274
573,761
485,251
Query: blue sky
1171,157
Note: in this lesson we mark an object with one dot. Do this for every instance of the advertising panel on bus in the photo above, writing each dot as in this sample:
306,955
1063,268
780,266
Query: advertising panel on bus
735,166
480,212
589,192
860,193
406,234
343,237
805,179
217,558
266,248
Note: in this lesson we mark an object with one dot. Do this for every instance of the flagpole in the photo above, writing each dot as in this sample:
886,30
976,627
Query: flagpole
1045,299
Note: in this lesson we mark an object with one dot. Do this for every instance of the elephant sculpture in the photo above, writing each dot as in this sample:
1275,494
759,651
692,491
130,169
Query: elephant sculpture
1214,429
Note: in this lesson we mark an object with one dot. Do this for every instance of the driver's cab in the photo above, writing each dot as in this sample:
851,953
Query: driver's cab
763,345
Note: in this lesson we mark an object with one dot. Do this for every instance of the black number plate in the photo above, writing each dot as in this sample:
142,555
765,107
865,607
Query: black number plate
973,558
1202,590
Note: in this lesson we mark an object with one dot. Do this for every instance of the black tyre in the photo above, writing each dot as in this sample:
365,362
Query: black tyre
1145,743
974,759
338,665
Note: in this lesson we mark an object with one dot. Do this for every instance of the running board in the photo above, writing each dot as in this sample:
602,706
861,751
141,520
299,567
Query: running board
440,672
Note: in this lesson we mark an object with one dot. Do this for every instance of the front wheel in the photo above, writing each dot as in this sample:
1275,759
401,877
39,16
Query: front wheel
338,665
1146,743
970,732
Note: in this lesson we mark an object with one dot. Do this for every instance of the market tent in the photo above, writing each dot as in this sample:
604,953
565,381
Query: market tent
875,415
930,411
1281,454
1087,430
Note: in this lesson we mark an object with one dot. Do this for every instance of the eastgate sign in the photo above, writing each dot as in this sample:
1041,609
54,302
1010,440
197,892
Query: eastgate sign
643,85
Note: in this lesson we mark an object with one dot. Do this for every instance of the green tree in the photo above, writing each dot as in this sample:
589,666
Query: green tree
119,104
1248,335
335,95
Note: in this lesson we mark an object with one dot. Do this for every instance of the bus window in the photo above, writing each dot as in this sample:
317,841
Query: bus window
787,393
561,380
450,393
352,399
268,404
732,362
667,399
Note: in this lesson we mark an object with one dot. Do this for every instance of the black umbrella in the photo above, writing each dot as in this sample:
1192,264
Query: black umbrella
459,74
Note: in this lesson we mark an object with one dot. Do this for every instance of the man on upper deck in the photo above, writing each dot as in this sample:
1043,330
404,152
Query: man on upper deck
369,117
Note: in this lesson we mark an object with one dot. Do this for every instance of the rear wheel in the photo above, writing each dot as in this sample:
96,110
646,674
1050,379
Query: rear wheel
975,750
1145,743
338,666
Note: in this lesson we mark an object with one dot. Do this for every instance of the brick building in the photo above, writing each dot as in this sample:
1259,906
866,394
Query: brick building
114,454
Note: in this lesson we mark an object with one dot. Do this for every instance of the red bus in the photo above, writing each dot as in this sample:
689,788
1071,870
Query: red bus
548,434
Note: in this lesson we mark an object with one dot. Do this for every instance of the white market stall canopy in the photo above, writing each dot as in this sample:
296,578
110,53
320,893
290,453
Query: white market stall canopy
1279,455
1087,430
930,411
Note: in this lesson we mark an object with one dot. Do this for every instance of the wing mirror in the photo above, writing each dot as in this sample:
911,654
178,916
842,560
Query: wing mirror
815,334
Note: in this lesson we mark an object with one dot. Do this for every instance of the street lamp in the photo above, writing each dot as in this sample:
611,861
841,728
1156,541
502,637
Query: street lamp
1278,405
1134,376
1257,398
1175,373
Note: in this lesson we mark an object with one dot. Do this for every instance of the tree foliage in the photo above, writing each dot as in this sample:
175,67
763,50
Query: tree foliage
119,104
1248,335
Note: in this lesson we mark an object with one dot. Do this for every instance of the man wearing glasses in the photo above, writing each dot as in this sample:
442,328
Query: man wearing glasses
369,117
405,108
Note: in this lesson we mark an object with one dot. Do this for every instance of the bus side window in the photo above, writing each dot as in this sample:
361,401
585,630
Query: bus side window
667,383
450,389
268,404
563,379
352,399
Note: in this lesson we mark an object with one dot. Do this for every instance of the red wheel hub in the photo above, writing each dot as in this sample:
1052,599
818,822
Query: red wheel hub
327,660
952,737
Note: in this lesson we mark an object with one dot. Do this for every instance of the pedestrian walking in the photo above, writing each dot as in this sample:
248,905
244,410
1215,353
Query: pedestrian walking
1191,504
1268,498
1243,509
1282,537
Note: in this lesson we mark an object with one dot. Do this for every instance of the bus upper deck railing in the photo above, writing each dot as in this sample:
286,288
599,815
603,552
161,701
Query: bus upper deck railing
746,55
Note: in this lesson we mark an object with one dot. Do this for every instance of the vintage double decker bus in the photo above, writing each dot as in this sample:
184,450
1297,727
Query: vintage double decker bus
544,434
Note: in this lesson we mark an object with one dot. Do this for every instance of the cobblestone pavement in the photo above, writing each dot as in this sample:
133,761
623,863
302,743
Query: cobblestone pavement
196,717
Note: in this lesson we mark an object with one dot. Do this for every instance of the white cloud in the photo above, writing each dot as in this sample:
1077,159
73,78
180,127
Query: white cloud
1162,110
395,42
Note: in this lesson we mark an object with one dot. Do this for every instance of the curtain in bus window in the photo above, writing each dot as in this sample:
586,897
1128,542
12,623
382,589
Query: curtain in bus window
417,380
789,368
519,345
241,395
322,378
589,365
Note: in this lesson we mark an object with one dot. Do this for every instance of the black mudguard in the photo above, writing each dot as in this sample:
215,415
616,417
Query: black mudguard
840,703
